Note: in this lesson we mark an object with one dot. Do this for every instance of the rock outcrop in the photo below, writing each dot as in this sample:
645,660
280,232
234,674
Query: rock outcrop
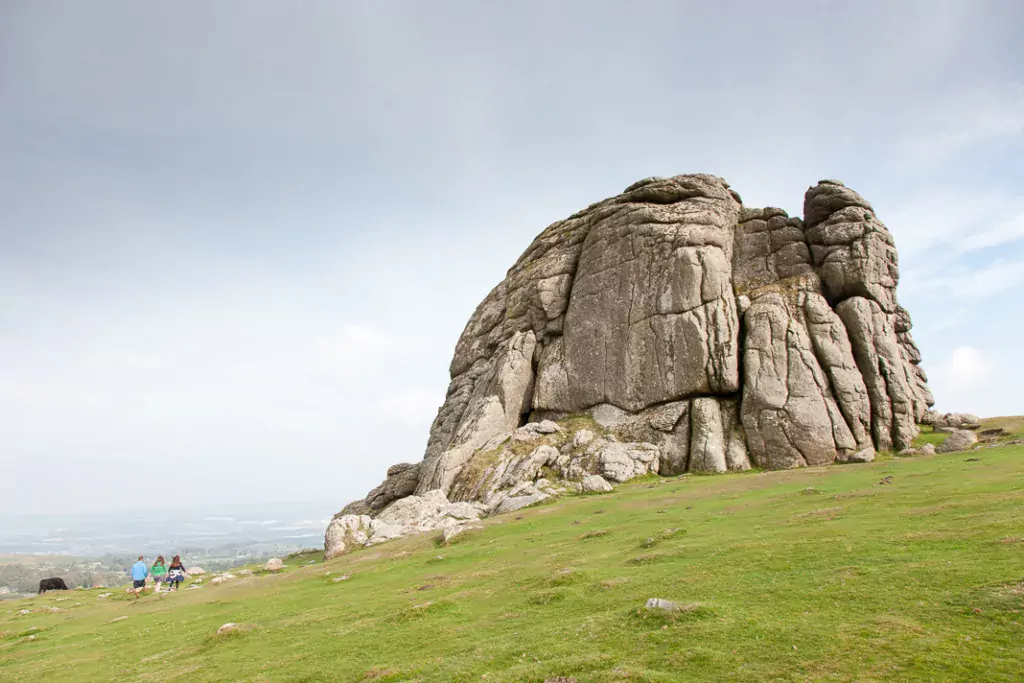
669,330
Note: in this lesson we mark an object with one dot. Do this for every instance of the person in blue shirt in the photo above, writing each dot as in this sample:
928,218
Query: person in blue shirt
139,573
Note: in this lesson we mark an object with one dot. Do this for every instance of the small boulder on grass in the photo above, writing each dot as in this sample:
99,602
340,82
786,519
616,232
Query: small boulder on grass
658,603
595,483
451,533
231,627
669,606
274,564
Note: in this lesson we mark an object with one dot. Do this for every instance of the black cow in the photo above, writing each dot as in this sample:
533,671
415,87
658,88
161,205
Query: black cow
54,584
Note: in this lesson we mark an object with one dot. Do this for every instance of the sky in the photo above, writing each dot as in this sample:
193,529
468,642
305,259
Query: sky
239,240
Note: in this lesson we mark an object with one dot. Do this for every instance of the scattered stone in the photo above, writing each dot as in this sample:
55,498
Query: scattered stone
274,564
886,480
339,579
112,621
973,460
620,462
409,515
25,611
582,438
927,449
245,572
227,628
196,571
669,606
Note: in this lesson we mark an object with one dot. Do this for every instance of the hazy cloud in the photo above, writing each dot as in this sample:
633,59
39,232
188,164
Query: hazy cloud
414,408
245,237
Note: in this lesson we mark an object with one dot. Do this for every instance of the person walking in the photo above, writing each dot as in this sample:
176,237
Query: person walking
176,573
159,573
139,573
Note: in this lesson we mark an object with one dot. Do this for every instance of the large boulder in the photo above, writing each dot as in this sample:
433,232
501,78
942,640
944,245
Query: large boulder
960,440
953,420
669,329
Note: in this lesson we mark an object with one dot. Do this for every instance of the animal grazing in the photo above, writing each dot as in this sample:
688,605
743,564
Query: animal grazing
54,584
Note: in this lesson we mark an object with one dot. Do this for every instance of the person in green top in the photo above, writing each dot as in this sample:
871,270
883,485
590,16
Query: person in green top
159,573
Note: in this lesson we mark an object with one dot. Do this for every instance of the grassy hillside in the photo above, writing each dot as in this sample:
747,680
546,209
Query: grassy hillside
819,574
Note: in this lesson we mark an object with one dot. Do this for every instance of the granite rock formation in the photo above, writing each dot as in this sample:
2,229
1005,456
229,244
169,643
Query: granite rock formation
668,330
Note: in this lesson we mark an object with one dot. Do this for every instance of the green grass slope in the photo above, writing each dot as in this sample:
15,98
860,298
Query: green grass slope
819,574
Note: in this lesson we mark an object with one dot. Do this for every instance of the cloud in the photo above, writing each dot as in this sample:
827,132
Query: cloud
948,280
993,279
364,339
358,347
413,408
967,119
125,360
205,247
959,219
966,368
1009,230
975,380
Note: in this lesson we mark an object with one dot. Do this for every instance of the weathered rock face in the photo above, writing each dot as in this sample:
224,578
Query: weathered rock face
694,334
